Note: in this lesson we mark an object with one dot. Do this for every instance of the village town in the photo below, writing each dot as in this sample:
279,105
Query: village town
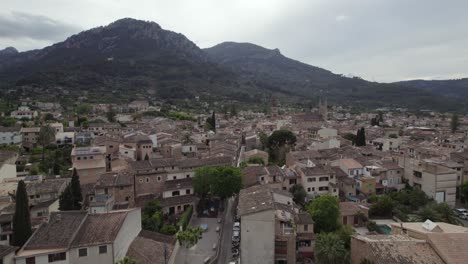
145,182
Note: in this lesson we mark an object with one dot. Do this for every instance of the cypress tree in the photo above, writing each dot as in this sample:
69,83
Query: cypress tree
75,189
66,200
213,121
21,219
361,137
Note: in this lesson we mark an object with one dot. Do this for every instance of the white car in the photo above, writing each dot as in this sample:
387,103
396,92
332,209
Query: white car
463,216
236,226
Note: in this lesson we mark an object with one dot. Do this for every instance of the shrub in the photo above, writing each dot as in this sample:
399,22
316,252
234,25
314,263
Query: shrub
169,230
185,218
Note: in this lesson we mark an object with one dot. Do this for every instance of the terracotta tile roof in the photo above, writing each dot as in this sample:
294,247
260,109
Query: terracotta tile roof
350,164
390,249
5,250
304,218
452,248
255,199
349,208
118,178
178,200
312,171
47,186
58,232
178,184
151,248
99,228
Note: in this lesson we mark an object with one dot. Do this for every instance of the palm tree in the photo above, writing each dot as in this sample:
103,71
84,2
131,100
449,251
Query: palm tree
446,214
428,212
330,249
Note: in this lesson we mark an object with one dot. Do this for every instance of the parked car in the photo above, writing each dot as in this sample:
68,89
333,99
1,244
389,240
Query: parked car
236,236
463,216
236,226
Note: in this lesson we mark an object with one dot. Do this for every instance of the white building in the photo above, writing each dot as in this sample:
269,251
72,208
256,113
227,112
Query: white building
82,238
10,136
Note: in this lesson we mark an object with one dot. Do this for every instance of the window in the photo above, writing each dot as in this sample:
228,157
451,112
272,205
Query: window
85,158
127,198
78,158
57,257
91,157
323,179
82,252
159,178
188,176
306,228
187,191
175,193
102,249
3,237
147,179
308,189
31,260
174,177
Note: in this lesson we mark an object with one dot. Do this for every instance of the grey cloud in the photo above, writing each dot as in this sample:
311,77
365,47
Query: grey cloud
18,25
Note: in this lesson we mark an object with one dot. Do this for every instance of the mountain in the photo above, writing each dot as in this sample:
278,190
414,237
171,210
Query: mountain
456,88
128,55
8,51
130,58
272,71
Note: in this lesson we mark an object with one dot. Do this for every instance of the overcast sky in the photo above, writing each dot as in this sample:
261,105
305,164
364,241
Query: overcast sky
381,40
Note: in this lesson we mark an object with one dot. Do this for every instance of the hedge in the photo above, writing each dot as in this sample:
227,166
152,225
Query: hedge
185,218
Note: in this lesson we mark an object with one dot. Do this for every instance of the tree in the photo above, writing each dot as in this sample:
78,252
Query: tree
233,110
71,198
45,137
221,181
151,216
325,212
330,249
83,109
110,115
21,219
256,160
279,143
211,122
189,237
75,189
298,193
464,192
126,260
351,137
49,117
360,137
66,199
428,212
446,214
263,140
383,207
454,123
344,233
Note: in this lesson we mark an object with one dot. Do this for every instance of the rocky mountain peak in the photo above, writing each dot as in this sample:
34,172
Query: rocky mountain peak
9,51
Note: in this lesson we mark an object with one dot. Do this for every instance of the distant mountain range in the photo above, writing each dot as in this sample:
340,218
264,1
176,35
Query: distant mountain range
130,58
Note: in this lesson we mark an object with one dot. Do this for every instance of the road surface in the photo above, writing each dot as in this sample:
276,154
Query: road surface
225,254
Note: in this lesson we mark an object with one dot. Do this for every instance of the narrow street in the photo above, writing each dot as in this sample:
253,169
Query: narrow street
225,253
